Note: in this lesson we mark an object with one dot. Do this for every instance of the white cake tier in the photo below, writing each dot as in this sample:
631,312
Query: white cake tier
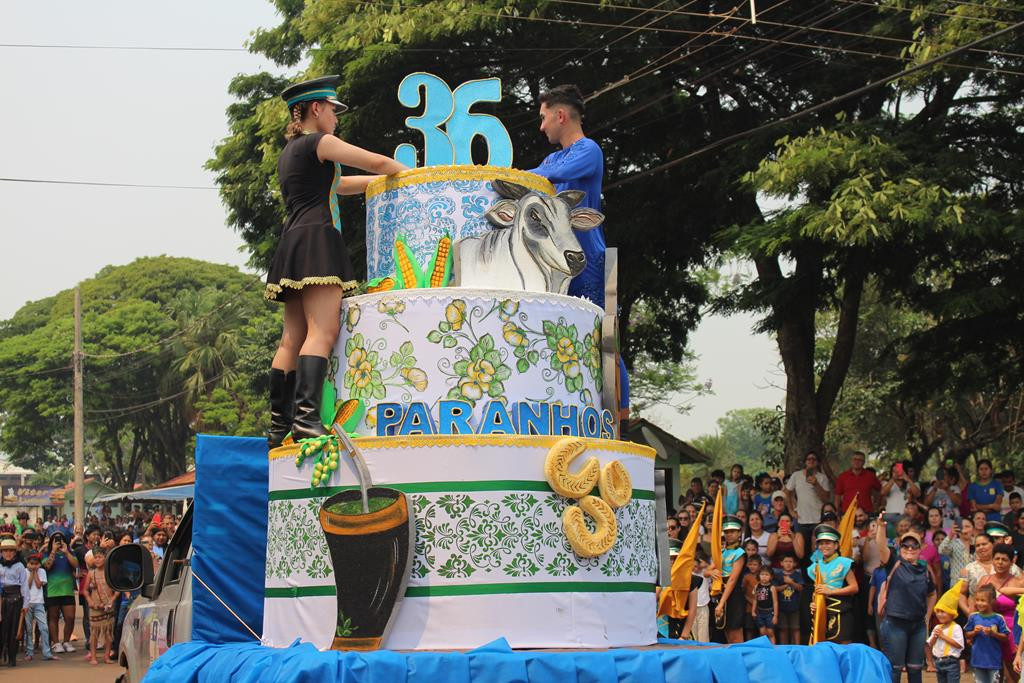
425,203
526,353
491,558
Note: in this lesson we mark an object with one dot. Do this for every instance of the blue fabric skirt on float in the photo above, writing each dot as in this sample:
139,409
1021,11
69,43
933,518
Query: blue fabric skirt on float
758,661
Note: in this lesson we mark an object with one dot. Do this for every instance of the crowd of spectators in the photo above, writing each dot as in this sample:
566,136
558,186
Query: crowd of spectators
51,572
912,541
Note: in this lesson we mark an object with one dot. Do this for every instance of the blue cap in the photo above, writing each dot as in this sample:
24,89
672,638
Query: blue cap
324,88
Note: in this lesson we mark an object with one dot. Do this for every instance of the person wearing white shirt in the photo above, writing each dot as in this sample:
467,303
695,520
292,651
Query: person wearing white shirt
806,490
35,610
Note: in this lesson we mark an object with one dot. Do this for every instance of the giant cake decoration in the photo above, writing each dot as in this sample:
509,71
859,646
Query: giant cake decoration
501,503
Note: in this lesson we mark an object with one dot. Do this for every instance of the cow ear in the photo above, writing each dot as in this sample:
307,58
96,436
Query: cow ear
586,219
572,197
502,214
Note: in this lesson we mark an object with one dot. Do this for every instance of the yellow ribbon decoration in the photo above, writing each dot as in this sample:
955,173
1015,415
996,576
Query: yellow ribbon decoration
820,621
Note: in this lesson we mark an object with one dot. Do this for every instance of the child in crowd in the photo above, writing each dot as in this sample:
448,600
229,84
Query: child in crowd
766,603
101,607
946,641
986,631
790,582
878,577
754,565
701,623
35,611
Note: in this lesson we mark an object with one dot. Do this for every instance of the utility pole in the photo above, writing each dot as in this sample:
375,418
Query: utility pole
79,417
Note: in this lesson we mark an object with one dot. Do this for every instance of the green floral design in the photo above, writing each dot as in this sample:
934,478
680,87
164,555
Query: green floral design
557,342
592,356
486,536
352,316
483,374
564,346
367,376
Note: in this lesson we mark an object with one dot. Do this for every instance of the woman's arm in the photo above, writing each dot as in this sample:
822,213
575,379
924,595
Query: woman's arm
773,543
962,601
691,616
354,184
798,545
734,577
330,148
882,542
72,559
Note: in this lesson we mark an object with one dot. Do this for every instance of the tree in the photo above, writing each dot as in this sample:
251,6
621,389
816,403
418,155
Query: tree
747,437
874,189
161,337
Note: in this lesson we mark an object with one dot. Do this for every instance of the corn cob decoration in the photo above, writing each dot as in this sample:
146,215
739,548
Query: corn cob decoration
441,265
380,284
408,274
349,414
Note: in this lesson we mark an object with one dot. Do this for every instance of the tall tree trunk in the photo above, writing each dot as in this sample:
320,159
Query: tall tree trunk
795,302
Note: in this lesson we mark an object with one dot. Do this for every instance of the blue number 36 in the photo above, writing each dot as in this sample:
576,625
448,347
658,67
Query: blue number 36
449,109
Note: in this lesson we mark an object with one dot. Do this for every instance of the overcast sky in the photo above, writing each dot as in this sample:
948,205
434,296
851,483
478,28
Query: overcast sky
153,117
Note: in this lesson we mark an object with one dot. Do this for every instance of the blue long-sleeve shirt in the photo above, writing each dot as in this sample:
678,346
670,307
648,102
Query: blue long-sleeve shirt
15,575
580,166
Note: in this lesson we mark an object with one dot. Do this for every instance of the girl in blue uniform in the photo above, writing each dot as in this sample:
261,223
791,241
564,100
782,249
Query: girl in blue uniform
732,606
838,585
311,270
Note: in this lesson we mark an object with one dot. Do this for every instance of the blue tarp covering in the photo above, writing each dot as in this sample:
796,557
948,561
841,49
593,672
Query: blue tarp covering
229,536
757,661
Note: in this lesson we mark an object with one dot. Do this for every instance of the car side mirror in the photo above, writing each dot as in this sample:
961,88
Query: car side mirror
129,568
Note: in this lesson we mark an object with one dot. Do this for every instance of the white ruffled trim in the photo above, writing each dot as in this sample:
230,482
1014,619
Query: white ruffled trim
450,293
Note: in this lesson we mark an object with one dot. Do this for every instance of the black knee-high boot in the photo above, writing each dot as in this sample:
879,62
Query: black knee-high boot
309,383
282,405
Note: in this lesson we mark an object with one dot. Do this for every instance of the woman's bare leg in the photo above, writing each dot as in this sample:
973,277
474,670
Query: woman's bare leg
69,621
321,305
293,336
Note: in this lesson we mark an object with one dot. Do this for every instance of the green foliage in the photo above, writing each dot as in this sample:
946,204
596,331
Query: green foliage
751,437
172,346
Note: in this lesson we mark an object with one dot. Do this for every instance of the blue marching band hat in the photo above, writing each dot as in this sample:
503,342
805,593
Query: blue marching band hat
997,529
323,88
731,522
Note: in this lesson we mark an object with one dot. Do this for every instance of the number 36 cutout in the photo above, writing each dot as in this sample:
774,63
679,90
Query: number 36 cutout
449,109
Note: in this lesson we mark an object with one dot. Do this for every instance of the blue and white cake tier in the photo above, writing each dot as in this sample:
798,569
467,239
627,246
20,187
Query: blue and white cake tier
425,203
472,361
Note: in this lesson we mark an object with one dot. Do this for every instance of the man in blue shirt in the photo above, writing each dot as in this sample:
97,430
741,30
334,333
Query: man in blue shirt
986,494
578,165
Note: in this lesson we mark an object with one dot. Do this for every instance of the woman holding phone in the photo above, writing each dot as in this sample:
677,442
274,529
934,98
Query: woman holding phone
60,564
785,541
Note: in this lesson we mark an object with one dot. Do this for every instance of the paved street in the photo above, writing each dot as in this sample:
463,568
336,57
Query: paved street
70,667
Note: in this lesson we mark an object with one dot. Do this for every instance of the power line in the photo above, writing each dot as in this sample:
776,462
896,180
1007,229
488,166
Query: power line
817,107
388,46
90,183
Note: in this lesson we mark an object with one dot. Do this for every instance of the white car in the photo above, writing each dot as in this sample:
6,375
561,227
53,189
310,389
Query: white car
162,615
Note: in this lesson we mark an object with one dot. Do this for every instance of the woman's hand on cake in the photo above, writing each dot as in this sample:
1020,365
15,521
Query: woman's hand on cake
330,148
354,184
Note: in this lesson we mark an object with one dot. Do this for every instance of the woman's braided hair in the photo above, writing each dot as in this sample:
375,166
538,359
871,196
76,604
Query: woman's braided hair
298,113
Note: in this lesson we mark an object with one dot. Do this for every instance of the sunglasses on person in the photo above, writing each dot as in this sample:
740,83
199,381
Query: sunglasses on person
910,545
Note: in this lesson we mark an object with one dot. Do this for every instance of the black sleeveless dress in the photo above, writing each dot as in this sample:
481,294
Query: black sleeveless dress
311,250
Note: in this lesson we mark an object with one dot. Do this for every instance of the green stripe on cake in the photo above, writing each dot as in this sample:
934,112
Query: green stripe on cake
481,589
438,487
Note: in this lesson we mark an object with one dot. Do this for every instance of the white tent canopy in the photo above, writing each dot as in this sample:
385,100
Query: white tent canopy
183,492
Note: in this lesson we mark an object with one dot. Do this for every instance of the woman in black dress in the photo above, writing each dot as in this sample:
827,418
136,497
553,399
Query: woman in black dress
311,270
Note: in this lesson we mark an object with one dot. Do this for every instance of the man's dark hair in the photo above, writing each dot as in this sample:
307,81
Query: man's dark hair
565,95
1015,495
1005,550
718,474
91,528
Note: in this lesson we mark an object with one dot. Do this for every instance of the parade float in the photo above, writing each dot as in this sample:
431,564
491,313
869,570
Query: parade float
474,516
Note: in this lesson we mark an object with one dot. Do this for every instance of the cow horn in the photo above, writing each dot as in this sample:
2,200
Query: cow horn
572,197
509,190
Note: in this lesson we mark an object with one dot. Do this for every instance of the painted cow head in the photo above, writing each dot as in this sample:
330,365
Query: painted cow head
545,223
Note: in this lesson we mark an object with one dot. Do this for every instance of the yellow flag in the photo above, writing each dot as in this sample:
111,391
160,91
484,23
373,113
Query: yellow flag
820,618
716,540
673,598
846,529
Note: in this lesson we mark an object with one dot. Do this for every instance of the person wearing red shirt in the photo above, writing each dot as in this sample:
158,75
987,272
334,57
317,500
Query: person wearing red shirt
860,482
